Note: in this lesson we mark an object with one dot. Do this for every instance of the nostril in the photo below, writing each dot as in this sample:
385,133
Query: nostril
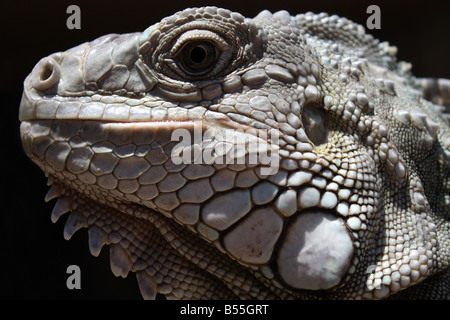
45,74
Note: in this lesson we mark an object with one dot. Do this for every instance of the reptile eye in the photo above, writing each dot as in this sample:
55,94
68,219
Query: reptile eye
197,57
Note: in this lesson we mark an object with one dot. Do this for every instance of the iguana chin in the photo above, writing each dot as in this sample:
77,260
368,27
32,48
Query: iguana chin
324,167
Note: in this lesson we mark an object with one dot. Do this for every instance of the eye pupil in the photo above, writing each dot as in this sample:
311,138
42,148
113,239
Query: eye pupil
198,54
197,57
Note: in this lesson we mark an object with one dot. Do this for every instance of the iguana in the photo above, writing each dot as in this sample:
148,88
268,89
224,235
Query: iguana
222,157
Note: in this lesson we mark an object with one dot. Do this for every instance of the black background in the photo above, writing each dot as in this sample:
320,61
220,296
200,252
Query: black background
33,253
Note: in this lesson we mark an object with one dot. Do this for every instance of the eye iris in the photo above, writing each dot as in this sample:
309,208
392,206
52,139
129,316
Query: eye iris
198,57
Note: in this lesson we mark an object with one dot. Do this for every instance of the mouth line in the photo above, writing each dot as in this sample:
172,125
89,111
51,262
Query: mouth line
196,128
120,113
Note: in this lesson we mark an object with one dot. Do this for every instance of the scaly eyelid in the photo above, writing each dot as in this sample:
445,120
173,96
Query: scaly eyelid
198,35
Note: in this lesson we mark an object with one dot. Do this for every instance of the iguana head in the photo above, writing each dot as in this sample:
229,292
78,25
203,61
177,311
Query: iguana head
219,156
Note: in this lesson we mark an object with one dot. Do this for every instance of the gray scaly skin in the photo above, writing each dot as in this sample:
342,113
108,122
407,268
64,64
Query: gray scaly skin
358,203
